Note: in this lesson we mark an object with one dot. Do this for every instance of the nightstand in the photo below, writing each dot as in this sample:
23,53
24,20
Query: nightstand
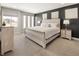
66,33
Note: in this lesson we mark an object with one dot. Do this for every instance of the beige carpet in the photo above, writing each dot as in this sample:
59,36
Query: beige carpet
58,47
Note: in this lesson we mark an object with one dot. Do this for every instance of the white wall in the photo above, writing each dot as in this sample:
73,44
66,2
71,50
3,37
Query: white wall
0,16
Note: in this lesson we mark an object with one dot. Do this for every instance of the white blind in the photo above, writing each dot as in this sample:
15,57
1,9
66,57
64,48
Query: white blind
29,21
24,21
44,16
32,21
55,14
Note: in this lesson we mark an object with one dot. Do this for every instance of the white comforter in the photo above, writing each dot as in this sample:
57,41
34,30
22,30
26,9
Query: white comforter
49,31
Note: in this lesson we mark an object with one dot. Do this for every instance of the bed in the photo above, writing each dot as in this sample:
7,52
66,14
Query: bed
48,31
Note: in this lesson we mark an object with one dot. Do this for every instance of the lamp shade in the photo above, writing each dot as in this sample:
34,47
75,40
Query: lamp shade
38,22
66,22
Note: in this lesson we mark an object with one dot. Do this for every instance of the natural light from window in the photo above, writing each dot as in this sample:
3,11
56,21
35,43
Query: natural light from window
10,20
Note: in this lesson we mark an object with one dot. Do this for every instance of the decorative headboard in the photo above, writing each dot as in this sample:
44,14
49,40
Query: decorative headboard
51,21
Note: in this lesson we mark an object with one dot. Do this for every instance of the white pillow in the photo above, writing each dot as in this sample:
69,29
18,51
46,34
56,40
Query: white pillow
43,25
49,25
52,25
57,25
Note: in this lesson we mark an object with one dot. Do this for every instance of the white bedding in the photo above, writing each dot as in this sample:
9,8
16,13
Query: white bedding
49,31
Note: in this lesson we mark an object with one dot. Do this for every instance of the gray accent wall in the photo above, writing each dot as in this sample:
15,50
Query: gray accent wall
74,22
39,18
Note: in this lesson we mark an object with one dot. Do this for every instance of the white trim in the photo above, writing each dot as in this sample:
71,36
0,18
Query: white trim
74,38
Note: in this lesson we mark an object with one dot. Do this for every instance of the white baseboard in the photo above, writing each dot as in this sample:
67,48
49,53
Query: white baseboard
74,38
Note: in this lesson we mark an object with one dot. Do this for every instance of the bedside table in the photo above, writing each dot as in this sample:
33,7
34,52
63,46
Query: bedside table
66,34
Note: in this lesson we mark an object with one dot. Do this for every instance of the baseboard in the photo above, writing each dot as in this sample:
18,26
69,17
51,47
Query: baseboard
74,38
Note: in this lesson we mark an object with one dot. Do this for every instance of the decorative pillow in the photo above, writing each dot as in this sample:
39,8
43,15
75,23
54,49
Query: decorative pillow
43,24
58,25
49,25
53,25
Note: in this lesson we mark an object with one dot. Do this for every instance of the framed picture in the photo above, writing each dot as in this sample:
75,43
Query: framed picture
71,13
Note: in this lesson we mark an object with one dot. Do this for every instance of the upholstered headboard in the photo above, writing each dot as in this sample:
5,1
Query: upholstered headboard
51,21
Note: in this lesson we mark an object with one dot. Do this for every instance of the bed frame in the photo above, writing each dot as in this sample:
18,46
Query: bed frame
39,37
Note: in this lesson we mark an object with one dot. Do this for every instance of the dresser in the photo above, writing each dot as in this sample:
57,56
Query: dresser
6,38
66,33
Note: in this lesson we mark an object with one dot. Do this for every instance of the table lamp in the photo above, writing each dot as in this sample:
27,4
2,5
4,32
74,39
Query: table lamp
66,22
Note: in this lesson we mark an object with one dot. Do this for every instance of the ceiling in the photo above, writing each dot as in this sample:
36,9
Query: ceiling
35,7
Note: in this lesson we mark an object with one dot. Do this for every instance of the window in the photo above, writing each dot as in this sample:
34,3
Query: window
24,21
14,21
10,20
29,21
44,16
32,21
7,20
55,14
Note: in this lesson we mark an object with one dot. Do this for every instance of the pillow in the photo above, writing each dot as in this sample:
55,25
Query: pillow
58,25
50,25
53,25
43,24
